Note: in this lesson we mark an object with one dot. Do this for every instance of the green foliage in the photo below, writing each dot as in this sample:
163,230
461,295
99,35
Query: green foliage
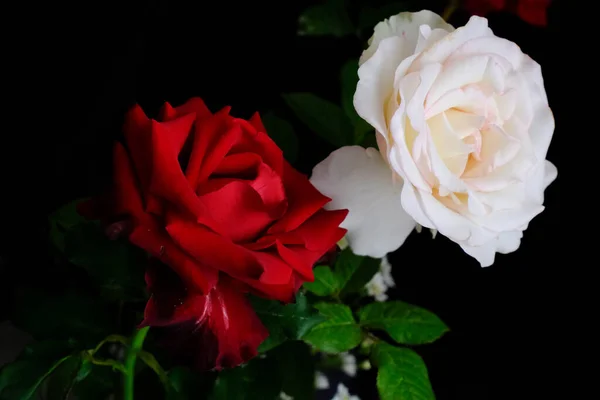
22,378
116,266
328,18
404,322
63,219
338,333
321,116
401,375
349,81
256,380
370,16
283,134
285,322
350,274
70,315
289,368
325,283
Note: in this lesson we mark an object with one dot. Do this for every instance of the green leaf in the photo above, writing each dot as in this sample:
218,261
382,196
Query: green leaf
349,80
152,362
283,134
99,382
296,366
285,322
22,378
370,16
60,383
188,384
402,374
325,283
353,272
330,18
73,314
321,116
404,322
61,221
338,333
257,380
115,265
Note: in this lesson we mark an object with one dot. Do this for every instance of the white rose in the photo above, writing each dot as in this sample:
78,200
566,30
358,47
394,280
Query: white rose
463,127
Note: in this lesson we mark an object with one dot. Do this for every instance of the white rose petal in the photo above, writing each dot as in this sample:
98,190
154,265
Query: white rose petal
359,180
463,126
343,394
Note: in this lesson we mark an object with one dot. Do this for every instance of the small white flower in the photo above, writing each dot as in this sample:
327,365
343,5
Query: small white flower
386,271
348,364
343,394
285,396
418,228
321,381
381,281
433,233
377,288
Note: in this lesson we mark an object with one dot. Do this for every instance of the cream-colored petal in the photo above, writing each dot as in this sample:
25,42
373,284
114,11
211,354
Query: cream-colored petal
359,180
406,26
376,83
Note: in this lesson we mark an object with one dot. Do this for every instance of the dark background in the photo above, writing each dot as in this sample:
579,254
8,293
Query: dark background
84,64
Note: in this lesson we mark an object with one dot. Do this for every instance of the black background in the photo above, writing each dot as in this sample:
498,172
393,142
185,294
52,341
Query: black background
87,62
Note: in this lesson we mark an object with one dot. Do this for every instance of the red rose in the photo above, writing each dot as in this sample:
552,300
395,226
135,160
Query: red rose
212,197
533,12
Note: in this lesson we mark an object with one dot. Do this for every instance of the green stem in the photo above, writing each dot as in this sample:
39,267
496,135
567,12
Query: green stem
136,345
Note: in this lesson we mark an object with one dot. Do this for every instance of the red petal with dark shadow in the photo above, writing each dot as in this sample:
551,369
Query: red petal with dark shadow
218,330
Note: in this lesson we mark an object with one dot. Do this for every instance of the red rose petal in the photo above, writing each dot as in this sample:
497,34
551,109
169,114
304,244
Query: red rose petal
153,239
213,250
262,178
235,328
194,105
233,202
534,12
127,196
304,200
213,138
257,141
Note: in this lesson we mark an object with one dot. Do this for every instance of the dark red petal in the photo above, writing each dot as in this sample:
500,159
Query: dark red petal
534,12
154,239
238,210
483,7
211,249
126,192
257,141
304,200
169,302
194,105
262,178
213,138
218,330
238,329
168,180
317,236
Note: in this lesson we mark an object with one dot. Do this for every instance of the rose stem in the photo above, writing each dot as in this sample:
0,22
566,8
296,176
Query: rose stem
136,345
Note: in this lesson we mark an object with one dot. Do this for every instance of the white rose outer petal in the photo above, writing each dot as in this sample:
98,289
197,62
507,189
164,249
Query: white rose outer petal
359,180
463,126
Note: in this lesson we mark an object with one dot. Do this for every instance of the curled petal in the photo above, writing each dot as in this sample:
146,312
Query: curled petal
217,330
359,180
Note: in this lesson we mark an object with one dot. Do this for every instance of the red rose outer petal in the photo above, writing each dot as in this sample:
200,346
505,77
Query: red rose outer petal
225,310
